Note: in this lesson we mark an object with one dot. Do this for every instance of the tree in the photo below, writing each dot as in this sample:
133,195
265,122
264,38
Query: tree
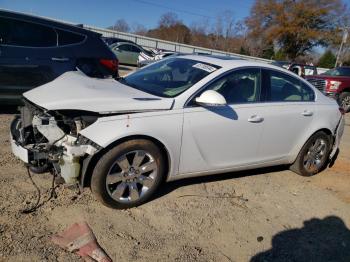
139,29
120,25
168,19
296,26
172,29
327,60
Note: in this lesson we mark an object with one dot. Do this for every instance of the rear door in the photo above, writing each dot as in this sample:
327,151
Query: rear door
288,114
125,54
25,56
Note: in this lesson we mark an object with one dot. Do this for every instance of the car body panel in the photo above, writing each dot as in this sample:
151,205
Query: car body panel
211,135
162,126
198,139
75,91
127,52
283,124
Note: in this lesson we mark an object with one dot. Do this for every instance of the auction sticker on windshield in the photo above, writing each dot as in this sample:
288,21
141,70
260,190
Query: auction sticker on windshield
204,67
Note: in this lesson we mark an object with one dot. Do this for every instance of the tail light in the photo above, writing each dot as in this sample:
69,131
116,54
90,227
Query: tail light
111,64
342,110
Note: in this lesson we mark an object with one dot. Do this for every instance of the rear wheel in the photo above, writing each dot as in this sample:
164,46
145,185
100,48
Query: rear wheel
344,101
314,155
128,175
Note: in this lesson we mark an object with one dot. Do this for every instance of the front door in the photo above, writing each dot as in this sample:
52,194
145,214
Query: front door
219,138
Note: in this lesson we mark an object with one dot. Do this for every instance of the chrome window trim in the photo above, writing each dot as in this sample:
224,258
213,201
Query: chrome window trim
261,86
218,78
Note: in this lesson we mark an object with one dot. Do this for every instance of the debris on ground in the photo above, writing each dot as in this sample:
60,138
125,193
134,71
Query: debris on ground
79,238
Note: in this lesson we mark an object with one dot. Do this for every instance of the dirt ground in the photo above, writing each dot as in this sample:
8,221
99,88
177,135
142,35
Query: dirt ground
260,215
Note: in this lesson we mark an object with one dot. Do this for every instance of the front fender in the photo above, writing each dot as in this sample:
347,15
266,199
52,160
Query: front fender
164,126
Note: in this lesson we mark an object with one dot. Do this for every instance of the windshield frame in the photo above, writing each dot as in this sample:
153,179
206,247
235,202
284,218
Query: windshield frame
164,62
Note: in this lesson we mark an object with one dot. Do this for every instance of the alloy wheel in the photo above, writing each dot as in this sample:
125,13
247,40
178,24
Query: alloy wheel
131,176
345,103
314,158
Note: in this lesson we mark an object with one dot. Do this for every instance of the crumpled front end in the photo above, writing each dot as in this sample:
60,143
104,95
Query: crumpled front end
50,140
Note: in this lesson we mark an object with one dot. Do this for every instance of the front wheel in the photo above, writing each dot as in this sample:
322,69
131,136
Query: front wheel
344,101
128,175
314,155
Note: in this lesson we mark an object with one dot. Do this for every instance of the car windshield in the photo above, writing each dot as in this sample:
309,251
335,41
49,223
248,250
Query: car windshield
341,71
169,77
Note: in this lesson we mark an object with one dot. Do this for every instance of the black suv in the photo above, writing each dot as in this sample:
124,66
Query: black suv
35,50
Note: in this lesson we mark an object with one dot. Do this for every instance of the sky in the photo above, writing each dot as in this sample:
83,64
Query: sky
144,12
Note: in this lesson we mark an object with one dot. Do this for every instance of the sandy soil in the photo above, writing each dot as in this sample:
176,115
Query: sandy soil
259,215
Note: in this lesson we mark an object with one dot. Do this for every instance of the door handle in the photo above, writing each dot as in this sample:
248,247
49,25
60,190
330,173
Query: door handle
255,119
60,59
307,113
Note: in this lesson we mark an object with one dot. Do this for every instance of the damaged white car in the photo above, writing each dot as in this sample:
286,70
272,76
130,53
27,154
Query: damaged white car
181,117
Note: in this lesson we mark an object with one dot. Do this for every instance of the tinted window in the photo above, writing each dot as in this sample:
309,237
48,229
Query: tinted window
282,87
125,48
69,38
135,49
170,77
20,33
239,87
340,71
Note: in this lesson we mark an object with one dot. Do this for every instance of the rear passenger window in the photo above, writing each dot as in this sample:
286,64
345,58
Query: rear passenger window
69,38
280,87
135,49
20,33
125,48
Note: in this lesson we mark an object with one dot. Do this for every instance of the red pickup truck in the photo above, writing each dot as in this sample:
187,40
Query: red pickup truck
334,83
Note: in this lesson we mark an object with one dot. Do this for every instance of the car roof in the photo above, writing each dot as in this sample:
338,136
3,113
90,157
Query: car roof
46,21
230,62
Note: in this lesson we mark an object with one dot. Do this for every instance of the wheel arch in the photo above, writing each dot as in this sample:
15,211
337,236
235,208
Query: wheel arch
346,89
324,129
89,163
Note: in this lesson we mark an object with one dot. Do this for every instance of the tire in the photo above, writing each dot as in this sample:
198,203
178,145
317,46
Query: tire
344,101
313,156
128,174
39,169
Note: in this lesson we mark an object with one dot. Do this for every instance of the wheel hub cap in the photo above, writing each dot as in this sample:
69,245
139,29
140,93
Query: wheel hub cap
131,176
314,158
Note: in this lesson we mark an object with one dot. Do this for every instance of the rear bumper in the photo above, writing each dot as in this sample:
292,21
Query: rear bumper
338,135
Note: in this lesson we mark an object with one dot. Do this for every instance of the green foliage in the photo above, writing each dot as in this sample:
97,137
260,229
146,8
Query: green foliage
244,51
268,52
327,60
280,55
296,25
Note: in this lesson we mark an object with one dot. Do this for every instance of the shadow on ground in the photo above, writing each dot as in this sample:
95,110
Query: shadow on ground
8,109
321,240
171,186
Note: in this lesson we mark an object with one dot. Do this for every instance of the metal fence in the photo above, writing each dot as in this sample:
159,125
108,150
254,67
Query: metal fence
149,42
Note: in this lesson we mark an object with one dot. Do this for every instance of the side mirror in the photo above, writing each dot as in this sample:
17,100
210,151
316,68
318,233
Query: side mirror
211,98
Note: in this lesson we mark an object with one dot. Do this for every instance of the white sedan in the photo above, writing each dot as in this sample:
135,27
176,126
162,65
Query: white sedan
181,117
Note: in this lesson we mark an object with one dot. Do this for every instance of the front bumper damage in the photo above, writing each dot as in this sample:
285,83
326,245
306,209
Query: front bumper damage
42,138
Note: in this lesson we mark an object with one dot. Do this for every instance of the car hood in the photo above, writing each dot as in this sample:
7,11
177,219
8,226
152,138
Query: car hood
75,91
339,78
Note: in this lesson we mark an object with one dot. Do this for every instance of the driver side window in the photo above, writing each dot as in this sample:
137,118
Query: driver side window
239,87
